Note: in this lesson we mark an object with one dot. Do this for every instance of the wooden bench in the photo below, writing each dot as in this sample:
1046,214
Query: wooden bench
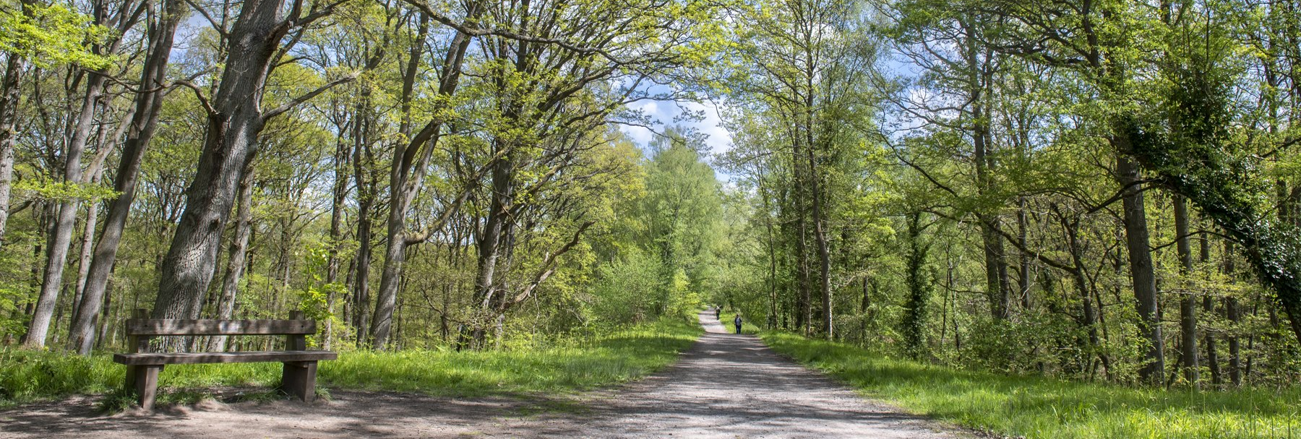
299,379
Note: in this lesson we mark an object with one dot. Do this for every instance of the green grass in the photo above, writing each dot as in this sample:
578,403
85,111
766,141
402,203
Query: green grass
572,365
1040,407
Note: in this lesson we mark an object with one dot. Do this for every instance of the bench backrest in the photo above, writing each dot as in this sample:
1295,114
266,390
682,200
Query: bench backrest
140,330
156,327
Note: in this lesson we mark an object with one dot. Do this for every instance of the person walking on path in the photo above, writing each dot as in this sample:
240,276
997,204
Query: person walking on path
737,321
718,312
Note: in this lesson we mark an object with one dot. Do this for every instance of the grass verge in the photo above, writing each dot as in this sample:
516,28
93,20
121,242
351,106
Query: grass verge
573,365
1038,407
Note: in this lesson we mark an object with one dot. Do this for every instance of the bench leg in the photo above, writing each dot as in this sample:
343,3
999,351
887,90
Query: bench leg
143,380
299,380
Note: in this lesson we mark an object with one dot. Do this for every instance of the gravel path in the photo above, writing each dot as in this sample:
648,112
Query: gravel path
727,385
731,385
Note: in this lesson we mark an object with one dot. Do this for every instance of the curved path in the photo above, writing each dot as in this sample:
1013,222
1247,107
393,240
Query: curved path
726,385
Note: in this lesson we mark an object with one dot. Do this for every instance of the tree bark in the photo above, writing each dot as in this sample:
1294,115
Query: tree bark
824,252
1140,265
996,276
66,213
144,121
9,97
234,122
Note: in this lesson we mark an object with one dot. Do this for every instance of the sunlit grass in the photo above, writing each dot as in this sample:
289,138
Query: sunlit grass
1039,407
571,365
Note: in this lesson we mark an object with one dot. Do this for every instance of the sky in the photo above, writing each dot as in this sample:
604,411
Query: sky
663,114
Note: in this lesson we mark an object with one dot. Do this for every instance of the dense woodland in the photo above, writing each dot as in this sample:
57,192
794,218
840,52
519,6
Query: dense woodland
1094,189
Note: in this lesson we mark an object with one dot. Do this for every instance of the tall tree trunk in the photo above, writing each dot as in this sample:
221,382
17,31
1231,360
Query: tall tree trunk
83,261
493,241
824,250
1208,306
410,162
66,218
1140,266
1023,271
803,320
919,290
237,260
361,262
94,174
144,121
1234,312
340,193
66,212
996,285
9,97
772,267
1187,304
234,122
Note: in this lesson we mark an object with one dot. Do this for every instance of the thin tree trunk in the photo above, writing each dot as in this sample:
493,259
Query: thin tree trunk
1187,304
410,161
1092,315
772,268
340,192
66,218
996,285
1208,306
915,316
1234,313
236,262
361,290
94,174
144,121
1023,225
804,300
824,250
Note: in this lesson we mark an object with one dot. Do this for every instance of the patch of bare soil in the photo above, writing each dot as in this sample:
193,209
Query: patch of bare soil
727,385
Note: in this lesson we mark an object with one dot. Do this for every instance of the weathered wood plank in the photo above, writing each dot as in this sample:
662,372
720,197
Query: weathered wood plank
223,357
218,327
145,385
299,380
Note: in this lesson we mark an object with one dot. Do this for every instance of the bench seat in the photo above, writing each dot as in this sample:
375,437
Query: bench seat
149,359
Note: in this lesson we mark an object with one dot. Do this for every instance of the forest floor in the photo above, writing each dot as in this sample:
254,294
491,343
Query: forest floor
726,385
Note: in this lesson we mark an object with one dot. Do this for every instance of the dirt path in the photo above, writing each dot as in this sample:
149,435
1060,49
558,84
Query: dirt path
727,385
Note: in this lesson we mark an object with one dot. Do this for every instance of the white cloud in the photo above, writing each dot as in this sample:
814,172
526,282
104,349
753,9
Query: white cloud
719,140
664,113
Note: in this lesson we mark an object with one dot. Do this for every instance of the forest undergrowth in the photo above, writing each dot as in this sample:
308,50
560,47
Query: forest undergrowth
1039,407
561,365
